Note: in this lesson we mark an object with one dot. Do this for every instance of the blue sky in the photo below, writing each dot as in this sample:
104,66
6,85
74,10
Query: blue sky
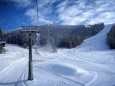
17,13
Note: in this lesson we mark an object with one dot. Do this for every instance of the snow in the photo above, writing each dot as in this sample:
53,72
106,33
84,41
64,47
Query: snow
97,42
90,64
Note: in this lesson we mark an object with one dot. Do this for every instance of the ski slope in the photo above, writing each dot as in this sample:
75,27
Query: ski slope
97,42
90,64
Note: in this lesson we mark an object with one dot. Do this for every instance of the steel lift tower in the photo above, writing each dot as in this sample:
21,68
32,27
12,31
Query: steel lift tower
30,30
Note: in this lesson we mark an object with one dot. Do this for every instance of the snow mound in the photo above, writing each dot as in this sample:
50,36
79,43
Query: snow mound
97,42
81,71
64,70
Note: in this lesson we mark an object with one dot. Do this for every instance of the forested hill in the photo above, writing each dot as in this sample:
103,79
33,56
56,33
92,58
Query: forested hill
66,36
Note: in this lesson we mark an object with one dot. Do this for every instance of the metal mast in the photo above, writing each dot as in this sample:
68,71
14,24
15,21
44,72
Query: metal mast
30,30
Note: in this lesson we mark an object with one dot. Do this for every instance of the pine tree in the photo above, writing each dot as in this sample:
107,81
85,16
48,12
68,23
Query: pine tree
0,34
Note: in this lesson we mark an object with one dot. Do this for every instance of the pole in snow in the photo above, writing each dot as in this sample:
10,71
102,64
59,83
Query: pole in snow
30,30
30,70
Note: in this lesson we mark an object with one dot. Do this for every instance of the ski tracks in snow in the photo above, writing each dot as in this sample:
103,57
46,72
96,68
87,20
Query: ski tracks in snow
11,75
96,76
93,80
59,76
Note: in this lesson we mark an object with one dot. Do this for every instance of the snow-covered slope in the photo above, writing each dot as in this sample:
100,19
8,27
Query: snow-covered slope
97,42
91,64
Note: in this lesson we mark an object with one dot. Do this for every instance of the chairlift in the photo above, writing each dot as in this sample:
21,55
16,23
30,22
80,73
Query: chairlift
30,30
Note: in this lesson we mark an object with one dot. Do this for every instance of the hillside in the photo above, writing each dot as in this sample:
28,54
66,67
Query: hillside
90,64
97,42
61,36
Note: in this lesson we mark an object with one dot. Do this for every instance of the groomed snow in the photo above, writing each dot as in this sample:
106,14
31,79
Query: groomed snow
91,64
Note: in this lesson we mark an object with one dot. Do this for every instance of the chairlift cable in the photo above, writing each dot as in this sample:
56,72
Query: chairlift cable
37,11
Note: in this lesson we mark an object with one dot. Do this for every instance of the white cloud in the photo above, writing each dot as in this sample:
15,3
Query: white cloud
61,7
98,11
31,13
71,11
22,3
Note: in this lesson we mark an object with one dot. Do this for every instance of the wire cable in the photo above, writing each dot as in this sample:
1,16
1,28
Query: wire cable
37,11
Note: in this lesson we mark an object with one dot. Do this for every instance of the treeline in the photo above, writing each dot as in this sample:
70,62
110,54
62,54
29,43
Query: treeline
62,36
111,37
1,47
56,33
68,36
18,37
77,36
